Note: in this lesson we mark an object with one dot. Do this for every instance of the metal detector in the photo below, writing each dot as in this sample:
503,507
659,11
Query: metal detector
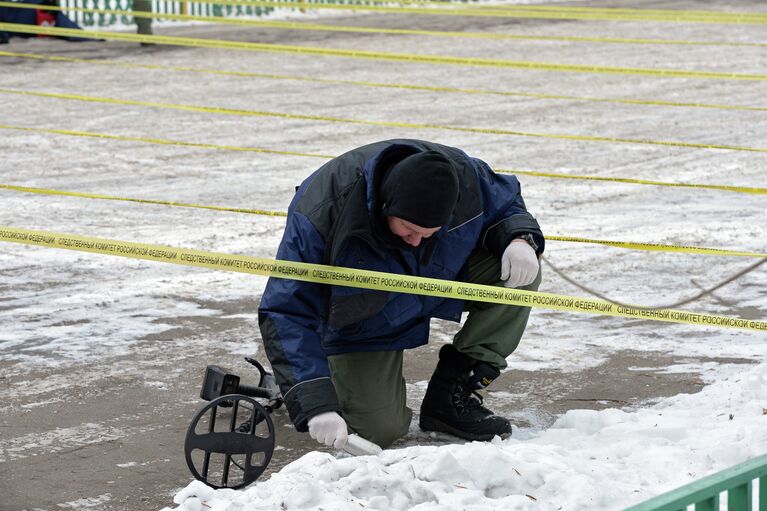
231,439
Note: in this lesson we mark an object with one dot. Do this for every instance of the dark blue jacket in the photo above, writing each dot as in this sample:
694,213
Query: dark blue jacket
332,220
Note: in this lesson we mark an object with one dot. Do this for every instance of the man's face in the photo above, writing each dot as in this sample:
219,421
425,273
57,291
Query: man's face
411,234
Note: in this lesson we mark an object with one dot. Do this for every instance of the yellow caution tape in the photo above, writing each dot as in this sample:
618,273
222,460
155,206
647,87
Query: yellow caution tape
665,13
334,275
556,175
293,25
405,86
159,141
670,14
451,10
620,244
657,247
497,11
84,195
727,188
374,55
609,13
392,124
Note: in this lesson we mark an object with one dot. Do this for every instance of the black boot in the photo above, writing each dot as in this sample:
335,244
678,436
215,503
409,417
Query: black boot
451,403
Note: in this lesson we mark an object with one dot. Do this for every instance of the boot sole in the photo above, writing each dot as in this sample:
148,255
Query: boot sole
431,424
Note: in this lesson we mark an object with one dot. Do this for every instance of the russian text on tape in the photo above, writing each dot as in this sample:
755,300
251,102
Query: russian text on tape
366,279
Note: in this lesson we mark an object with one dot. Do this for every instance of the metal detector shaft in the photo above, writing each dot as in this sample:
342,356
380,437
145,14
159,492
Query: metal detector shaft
254,391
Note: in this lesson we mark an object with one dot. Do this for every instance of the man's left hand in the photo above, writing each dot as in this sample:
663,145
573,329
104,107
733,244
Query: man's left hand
519,264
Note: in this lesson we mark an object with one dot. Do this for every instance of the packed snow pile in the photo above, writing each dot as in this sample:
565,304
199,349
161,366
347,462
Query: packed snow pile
588,459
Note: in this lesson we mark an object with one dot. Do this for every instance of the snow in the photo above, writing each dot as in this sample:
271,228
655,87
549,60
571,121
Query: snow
62,309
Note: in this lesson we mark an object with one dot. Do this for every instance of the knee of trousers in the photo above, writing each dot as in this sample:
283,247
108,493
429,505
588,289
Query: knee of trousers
382,429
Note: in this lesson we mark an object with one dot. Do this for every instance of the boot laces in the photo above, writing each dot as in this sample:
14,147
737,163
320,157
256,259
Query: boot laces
466,399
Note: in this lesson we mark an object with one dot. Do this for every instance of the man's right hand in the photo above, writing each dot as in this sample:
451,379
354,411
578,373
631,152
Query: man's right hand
329,428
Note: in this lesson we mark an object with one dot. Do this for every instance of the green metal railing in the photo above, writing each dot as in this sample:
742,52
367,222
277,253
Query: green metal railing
89,19
188,7
739,483
227,8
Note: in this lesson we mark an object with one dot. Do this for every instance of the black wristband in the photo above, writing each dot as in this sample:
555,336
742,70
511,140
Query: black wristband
530,239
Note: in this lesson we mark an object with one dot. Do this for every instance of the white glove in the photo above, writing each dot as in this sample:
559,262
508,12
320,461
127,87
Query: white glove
329,428
519,264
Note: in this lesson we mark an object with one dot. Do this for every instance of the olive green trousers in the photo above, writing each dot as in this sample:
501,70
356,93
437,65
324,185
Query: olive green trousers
371,387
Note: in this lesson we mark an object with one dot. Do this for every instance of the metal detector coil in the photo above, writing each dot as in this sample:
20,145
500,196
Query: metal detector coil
230,442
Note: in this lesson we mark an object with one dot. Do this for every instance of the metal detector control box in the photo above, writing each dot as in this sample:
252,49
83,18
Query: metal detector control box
218,382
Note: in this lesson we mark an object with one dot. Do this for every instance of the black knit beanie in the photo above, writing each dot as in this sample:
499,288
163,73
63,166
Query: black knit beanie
422,189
